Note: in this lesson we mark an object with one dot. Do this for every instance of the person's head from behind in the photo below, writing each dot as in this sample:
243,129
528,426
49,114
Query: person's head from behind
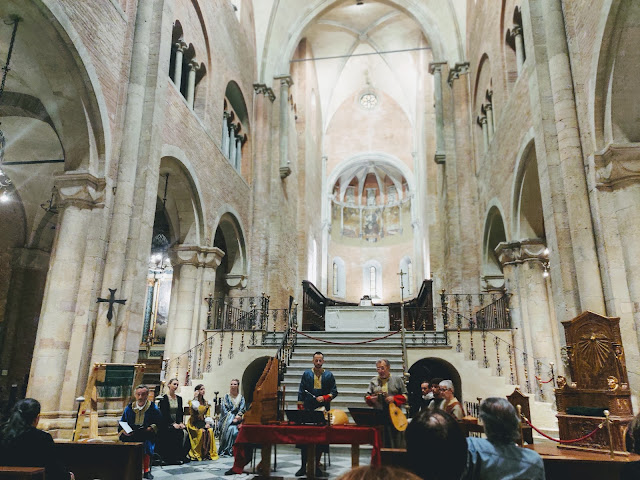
436,447
24,414
378,473
500,419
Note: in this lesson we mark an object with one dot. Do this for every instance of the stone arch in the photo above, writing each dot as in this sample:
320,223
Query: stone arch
72,95
527,215
426,369
494,233
616,108
229,237
236,127
367,277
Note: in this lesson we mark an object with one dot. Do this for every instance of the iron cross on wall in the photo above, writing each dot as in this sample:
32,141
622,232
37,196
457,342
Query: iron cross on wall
111,300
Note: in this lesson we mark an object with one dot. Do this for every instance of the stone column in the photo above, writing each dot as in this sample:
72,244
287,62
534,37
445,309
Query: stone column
436,70
518,39
177,67
210,261
618,172
191,82
232,143
238,159
79,194
285,83
485,134
225,134
488,108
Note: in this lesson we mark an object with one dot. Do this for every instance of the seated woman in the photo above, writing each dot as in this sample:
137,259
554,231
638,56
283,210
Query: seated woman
233,408
23,445
172,442
200,428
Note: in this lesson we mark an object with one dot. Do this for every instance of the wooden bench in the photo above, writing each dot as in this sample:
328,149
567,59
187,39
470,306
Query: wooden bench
22,473
103,460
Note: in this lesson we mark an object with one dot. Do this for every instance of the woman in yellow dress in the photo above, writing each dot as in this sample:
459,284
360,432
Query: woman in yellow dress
200,428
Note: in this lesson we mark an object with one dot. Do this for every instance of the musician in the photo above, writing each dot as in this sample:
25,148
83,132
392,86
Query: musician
317,389
383,390
450,403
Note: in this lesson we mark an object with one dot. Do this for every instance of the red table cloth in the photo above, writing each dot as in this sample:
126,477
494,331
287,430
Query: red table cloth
304,435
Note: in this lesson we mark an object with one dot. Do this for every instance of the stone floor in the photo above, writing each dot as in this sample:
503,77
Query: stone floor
288,462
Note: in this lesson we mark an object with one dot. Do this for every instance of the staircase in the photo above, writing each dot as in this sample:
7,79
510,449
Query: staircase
353,366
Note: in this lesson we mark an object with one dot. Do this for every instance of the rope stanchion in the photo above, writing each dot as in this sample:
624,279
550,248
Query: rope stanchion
344,343
575,440
539,379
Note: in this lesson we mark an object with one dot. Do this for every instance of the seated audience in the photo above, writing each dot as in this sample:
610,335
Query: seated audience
431,393
450,403
378,473
200,428
498,456
233,408
144,419
173,439
436,447
23,445
631,470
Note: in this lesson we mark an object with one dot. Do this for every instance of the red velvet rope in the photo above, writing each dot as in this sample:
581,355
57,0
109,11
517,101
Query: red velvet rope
540,380
563,441
344,343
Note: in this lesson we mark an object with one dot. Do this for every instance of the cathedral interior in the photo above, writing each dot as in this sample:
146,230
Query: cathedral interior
187,183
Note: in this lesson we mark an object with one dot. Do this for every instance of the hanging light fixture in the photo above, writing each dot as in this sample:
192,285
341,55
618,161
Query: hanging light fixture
4,180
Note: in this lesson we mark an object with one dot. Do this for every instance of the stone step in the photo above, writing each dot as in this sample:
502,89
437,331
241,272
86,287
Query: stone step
343,369
302,350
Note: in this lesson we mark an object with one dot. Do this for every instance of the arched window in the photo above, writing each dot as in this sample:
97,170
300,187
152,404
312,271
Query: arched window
372,282
335,278
406,267
372,279
339,278
235,125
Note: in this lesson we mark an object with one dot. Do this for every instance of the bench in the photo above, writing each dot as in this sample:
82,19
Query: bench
21,473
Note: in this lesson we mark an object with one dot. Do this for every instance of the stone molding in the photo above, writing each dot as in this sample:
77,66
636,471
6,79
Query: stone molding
206,257
515,253
235,280
457,70
262,89
181,46
617,166
436,66
285,172
285,80
81,190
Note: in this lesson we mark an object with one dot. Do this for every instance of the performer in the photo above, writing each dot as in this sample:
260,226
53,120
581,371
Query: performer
450,403
172,442
200,428
144,418
383,390
317,389
233,408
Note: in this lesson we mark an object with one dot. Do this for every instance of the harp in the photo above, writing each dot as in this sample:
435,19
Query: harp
264,408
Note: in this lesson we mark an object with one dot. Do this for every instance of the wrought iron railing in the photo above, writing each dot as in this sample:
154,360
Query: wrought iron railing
288,342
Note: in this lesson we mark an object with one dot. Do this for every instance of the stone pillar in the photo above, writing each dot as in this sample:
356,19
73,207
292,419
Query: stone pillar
191,82
488,108
225,134
285,83
210,261
238,159
79,194
177,67
485,134
518,39
436,70
232,143
617,172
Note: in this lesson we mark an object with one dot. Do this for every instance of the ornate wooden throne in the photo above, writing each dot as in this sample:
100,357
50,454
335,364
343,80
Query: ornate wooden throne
598,382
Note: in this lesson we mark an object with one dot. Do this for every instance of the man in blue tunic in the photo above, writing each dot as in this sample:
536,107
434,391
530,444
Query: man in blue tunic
317,389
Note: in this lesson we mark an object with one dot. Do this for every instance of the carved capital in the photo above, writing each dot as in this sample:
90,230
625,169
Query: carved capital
285,172
457,70
617,166
81,190
194,65
436,67
487,107
236,280
440,158
208,257
285,80
514,253
516,30
482,120
180,46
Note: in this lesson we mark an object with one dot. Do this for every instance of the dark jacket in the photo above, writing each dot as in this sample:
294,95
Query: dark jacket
34,448
165,411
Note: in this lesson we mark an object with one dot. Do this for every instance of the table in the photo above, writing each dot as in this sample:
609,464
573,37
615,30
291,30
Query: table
268,435
22,473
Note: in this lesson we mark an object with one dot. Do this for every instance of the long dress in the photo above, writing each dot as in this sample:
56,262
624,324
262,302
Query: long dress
203,444
231,407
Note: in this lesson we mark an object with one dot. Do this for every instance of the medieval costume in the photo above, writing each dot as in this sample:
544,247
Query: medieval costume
172,442
379,389
452,407
231,408
140,419
203,444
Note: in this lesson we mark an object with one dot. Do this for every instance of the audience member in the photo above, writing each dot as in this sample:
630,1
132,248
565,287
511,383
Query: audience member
172,441
631,470
378,473
430,393
200,428
233,408
144,419
23,445
450,403
498,456
436,447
